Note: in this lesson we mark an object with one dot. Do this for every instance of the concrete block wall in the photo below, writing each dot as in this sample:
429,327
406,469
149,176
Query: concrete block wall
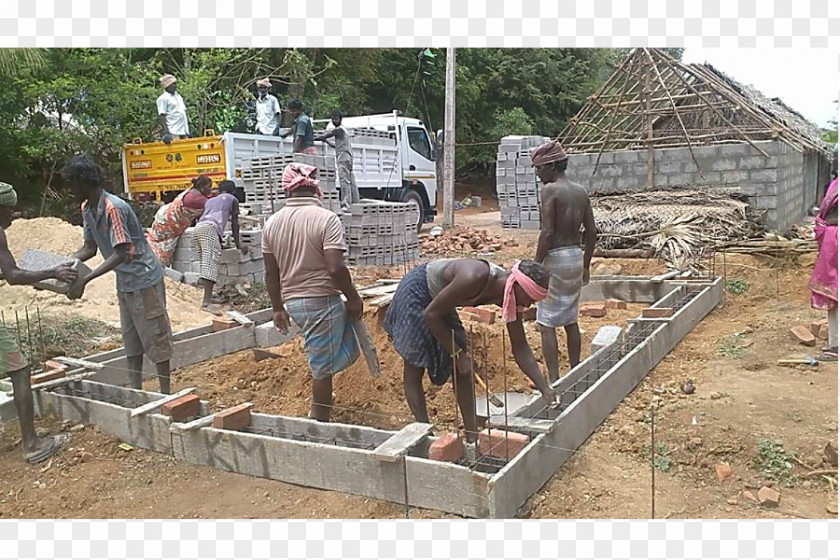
516,183
234,267
775,183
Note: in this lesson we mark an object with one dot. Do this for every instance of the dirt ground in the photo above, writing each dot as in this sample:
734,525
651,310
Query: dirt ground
742,398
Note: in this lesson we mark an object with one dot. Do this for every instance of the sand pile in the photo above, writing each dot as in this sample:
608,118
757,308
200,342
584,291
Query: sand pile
100,299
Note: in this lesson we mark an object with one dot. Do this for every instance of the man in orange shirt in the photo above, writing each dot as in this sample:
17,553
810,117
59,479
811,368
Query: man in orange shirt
303,247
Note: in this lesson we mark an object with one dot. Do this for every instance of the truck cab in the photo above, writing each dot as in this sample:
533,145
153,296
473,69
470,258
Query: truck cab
415,176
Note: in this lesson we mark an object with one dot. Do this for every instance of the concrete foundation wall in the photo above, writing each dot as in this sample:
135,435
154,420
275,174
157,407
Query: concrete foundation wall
783,183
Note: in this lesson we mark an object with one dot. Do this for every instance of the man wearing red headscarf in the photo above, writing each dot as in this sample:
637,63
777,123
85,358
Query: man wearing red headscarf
565,207
303,247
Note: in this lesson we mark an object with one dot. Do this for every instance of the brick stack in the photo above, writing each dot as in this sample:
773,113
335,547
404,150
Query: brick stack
381,233
234,267
262,181
516,183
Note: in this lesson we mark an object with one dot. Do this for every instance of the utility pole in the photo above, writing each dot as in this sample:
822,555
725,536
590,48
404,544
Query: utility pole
449,143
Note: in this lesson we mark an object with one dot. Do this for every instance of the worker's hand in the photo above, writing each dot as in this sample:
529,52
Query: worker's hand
355,308
167,138
585,276
551,398
281,321
65,273
78,289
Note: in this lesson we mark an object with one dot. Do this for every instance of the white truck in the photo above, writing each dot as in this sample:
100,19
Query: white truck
393,160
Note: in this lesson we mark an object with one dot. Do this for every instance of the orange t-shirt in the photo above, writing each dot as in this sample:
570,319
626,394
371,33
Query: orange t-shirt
297,236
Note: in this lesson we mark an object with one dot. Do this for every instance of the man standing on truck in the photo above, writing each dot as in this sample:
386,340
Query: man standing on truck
171,110
111,226
12,361
303,134
565,207
343,160
268,110
303,247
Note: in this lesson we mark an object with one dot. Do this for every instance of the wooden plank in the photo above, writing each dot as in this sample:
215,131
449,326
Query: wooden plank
367,347
379,290
59,382
79,363
520,424
382,301
398,445
154,405
240,318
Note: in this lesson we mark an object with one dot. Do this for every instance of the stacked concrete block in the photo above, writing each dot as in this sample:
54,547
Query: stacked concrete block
33,259
263,181
380,233
234,267
517,184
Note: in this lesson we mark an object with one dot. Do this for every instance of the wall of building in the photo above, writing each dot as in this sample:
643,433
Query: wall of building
782,183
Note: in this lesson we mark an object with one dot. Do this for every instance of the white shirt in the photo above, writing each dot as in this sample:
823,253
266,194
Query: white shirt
172,105
267,109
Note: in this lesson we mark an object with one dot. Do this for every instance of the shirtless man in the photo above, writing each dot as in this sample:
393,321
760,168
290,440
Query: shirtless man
565,207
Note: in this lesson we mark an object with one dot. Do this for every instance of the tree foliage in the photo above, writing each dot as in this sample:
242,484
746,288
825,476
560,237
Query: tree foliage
58,102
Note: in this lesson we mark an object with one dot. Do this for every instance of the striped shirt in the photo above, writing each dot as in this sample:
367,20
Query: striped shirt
115,223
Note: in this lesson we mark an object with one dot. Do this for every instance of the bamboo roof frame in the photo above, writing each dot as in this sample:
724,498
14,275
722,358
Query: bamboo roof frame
686,105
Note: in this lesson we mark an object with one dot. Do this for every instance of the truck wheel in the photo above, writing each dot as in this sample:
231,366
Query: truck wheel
412,197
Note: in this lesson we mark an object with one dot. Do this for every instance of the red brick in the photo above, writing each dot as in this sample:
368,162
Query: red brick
823,334
530,314
236,418
616,304
52,364
47,376
481,315
593,309
817,326
723,471
492,443
182,408
448,447
223,323
657,312
802,335
768,497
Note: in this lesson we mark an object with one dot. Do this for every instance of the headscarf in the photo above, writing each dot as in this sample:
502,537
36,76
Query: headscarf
264,82
549,152
8,196
167,80
534,291
297,175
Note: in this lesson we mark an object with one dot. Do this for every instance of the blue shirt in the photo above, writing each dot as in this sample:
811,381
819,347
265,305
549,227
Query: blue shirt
115,223
303,127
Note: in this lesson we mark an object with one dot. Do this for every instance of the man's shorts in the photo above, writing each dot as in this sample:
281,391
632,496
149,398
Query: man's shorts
145,323
11,358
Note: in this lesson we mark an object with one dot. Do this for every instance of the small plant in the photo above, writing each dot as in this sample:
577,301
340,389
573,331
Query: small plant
662,459
730,346
737,286
774,462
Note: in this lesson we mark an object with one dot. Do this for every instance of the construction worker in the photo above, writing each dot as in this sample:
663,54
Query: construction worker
303,134
172,110
112,227
12,361
303,248
343,160
268,110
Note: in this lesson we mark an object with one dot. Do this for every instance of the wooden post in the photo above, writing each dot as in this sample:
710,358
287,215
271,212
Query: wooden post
649,120
449,143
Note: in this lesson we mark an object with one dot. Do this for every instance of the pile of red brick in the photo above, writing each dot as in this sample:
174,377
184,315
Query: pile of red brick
463,241
808,335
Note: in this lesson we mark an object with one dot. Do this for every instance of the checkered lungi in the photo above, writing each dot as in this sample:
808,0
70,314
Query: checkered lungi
328,336
560,308
209,251
408,330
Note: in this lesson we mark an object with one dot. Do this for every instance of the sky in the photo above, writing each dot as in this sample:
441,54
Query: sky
804,79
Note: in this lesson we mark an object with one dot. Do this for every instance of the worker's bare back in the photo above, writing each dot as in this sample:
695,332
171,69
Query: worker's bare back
565,206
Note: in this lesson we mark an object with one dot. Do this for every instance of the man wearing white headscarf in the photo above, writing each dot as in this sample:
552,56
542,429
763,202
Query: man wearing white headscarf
172,110
268,110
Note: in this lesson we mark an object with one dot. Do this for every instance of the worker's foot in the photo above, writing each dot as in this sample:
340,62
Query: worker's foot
827,356
241,290
46,448
470,451
210,308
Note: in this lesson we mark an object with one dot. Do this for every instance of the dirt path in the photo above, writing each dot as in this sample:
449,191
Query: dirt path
742,398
